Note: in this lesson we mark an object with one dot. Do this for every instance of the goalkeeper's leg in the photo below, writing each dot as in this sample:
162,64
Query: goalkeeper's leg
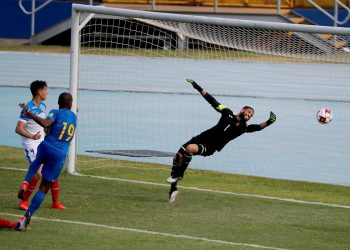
180,163
173,193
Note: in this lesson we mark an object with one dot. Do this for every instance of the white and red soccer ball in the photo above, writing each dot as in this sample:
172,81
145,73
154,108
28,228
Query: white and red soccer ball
324,116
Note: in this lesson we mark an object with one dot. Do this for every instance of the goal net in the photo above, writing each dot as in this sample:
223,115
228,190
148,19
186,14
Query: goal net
128,71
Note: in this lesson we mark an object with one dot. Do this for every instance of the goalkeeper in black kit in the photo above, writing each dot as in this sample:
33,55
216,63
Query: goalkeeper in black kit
229,127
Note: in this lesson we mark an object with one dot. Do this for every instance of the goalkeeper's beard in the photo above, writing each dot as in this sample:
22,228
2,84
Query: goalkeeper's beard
242,117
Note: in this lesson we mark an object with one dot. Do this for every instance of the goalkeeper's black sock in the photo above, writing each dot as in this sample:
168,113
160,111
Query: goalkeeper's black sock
173,187
186,162
180,163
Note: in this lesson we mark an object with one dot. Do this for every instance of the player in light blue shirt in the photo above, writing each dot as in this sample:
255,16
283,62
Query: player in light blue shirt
52,152
32,134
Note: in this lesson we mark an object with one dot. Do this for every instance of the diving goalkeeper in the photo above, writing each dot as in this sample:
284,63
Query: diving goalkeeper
229,127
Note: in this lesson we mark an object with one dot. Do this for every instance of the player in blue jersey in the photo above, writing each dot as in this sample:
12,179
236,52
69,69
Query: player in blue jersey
32,134
229,127
52,151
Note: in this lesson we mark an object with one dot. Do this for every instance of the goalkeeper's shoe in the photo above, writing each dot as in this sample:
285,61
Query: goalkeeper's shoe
23,223
23,188
173,179
173,193
58,205
23,205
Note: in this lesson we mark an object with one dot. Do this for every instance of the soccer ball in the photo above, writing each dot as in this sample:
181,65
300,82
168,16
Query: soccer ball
324,116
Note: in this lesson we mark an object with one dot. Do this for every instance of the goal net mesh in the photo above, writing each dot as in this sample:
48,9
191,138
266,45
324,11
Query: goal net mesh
134,104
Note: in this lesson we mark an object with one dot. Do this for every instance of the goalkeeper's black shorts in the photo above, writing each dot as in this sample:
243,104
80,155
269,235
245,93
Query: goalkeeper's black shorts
205,148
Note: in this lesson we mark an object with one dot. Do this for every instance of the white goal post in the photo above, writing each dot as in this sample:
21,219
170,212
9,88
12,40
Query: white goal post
208,44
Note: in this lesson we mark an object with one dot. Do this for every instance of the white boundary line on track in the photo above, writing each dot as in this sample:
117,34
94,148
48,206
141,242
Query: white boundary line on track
182,236
206,190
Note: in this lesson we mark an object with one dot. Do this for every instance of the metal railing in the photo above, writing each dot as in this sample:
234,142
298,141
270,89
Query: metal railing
337,3
35,9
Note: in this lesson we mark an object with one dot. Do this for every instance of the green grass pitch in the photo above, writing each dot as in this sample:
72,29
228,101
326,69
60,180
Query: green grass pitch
129,210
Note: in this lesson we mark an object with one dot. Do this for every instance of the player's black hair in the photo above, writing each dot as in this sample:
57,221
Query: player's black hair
36,85
65,100
248,107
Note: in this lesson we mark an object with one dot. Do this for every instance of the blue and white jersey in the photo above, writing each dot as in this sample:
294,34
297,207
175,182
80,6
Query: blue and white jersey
31,126
62,130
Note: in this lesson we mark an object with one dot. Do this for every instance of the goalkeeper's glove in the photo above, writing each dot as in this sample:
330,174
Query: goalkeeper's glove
272,119
195,85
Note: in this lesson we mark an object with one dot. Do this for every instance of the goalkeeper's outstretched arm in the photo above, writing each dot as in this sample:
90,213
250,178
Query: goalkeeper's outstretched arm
212,101
257,127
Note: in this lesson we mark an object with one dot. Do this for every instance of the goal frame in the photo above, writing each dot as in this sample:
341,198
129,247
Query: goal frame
79,21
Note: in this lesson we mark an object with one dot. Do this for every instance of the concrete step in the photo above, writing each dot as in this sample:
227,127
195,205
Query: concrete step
51,32
340,44
13,41
325,36
297,20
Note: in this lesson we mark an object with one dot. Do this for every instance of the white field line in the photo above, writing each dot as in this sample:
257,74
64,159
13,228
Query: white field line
143,231
220,192
15,169
206,190
131,167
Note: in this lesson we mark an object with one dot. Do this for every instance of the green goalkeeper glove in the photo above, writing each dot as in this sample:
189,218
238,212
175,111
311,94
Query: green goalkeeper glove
272,119
195,85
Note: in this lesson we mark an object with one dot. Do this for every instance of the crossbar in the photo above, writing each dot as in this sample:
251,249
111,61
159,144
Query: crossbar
212,20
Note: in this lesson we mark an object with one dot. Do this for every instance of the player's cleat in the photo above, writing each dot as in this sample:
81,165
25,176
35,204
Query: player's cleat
173,179
23,223
173,196
23,188
58,205
174,192
23,205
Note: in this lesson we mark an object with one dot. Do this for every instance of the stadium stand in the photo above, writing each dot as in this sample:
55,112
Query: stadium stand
314,16
52,23
17,25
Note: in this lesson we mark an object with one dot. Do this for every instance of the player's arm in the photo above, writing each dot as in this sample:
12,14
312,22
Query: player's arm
46,123
258,127
20,129
212,101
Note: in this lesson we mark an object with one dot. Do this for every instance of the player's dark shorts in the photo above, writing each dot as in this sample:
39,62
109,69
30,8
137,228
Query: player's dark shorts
205,148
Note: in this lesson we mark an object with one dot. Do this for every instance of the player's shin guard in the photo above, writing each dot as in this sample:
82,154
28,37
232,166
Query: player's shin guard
180,163
37,200
55,191
31,188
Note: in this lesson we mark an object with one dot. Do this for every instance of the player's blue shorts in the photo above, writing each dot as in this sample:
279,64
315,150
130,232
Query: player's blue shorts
53,161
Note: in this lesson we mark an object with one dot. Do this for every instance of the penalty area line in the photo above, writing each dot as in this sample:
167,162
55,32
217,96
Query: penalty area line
143,231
